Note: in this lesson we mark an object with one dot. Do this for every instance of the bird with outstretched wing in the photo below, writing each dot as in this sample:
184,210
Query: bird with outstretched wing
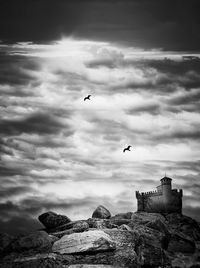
127,148
87,98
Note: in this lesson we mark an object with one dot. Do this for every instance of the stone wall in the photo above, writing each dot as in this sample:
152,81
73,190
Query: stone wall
155,202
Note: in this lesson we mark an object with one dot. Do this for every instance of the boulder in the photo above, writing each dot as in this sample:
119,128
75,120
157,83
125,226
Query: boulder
53,238
149,246
118,220
62,233
123,256
100,223
149,236
69,228
146,217
180,260
127,215
80,226
125,227
151,256
53,220
121,218
5,241
91,241
39,240
158,225
181,243
101,213
183,224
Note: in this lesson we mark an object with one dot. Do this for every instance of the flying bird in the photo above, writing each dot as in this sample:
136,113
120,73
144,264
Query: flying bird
87,98
127,149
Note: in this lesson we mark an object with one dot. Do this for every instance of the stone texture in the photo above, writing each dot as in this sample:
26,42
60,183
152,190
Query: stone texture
183,224
123,256
151,256
53,238
90,266
70,228
140,240
5,241
42,260
181,260
100,223
80,226
125,227
127,215
52,220
144,217
91,241
149,236
181,243
122,218
39,240
158,225
116,220
64,227
62,233
101,212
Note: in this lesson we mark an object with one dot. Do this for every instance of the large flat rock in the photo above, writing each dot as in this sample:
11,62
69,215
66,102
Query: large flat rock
91,241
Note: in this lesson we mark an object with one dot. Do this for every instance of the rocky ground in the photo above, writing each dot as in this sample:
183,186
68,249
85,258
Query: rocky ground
124,240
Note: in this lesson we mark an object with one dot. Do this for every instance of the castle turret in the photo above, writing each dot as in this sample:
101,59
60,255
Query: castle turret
166,186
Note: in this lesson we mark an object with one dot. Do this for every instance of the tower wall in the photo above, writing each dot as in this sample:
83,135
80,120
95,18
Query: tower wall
166,190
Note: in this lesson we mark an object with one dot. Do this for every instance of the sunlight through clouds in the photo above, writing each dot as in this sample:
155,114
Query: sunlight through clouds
70,151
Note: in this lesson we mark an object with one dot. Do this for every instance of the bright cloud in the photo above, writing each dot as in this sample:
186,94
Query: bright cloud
55,145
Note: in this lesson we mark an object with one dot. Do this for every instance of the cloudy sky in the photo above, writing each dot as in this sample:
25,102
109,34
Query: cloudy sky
60,153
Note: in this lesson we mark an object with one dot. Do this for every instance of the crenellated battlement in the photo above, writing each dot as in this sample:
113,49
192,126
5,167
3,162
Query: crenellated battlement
150,193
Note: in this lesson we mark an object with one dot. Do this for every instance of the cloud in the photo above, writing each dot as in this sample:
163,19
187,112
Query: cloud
16,71
35,123
63,154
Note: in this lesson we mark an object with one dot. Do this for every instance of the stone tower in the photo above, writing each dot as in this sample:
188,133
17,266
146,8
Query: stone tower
163,200
166,187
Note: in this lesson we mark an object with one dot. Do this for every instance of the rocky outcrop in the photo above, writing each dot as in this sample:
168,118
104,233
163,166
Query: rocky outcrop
183,224
181,243
100,223
91,241
5,241
80,226
51,220
124,240
101,213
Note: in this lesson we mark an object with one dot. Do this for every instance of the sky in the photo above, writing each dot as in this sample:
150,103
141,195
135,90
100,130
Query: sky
140,62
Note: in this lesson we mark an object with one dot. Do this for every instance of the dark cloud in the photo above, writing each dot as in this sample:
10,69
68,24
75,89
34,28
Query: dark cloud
193,133
38,123
162,76
153,109
17,71
181,73
186,101
170,25
11,171
8,192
